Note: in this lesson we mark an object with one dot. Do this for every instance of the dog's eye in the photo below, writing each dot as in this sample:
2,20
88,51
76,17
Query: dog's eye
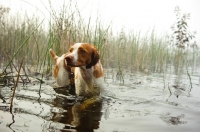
82,51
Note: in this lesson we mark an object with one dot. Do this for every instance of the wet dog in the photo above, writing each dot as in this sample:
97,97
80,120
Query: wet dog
88,70
61,71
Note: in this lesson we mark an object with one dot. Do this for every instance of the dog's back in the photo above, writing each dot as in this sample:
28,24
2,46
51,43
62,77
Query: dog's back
61,71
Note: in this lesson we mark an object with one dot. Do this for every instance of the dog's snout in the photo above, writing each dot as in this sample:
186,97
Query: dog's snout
69,58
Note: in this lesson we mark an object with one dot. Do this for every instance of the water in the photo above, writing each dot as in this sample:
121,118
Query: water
142,103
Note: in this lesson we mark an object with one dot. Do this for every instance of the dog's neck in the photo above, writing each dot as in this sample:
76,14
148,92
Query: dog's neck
86,73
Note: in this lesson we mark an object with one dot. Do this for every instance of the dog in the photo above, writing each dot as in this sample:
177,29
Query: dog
88,70
61,71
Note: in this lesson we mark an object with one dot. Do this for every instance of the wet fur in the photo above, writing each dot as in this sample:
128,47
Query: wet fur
61,72
88,70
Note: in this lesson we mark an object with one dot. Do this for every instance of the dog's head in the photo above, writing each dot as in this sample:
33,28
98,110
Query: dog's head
82,54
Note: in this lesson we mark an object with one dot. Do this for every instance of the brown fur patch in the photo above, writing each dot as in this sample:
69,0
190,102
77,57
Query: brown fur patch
72,69
53,55
55,71
92,54
97,70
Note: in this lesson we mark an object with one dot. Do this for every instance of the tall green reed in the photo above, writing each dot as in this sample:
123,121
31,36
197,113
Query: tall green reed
137,51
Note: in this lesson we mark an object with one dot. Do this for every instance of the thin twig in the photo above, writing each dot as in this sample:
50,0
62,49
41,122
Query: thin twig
13,66
190,81
169,90
27,78
16,82
12,72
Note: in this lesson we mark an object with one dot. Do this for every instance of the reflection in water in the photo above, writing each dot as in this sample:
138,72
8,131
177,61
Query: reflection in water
83,115
13,121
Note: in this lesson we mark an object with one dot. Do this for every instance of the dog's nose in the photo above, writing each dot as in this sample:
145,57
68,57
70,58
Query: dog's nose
69,58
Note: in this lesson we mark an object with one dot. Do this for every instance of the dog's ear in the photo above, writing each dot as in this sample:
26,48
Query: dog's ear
94,58
53,55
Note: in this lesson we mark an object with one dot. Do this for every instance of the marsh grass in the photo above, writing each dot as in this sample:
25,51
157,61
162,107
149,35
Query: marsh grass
136,51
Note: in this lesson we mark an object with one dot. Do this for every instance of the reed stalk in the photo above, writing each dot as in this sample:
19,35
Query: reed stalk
15,85
139,51
20,47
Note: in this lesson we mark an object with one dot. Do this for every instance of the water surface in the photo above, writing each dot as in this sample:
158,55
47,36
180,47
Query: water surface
142,102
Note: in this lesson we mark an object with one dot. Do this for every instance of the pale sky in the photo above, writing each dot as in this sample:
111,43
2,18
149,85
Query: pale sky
141,15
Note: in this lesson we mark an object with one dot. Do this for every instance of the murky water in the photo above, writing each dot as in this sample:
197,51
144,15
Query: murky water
142,103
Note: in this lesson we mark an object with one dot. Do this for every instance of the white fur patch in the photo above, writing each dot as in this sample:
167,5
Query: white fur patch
75,51
62,78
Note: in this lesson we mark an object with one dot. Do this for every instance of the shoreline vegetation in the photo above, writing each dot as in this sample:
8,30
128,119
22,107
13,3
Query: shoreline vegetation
27,38
149,79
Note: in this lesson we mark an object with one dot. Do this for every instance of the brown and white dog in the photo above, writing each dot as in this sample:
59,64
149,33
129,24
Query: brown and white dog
88,72
61,71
